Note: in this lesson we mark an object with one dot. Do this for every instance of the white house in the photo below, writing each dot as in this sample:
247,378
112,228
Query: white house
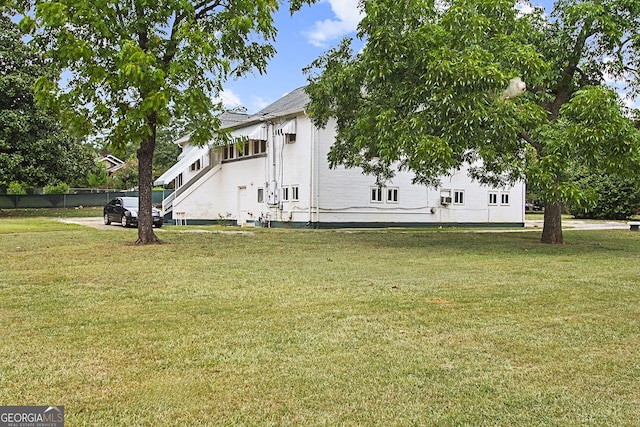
277,174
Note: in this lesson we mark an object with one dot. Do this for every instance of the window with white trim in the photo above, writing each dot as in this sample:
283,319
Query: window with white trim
493,198
392,195
295,190
504,198
228,152
376,195
458,197
195,166
260,195
284,194
243,149
259,147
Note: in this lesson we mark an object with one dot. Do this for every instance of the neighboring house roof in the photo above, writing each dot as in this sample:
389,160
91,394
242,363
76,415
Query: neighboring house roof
113,163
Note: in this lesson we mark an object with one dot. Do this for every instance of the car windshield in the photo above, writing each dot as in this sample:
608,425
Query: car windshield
130,203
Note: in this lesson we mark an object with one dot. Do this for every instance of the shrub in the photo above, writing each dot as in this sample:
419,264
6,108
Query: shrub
17,188
60,188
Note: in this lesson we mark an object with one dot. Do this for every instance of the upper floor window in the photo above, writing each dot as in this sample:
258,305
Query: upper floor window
195,166
228,152
458,197
259,147
504,198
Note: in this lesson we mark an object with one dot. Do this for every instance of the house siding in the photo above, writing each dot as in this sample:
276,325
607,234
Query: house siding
336,197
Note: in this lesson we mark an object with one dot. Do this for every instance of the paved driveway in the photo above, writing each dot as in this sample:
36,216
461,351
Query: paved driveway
91,222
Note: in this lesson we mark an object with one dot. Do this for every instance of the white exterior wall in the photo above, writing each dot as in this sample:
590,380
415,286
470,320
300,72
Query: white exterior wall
219,192
333,195
345,197
294,169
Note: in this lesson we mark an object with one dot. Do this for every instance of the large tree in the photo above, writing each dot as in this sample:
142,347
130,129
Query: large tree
436,86
132,64
34,148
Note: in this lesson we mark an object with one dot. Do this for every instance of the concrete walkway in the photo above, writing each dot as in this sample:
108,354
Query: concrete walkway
576,224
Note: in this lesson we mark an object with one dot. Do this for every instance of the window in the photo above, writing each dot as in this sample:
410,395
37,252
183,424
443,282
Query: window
228,152
260,195
195,166
179,181
285,194
294,193
504,199
259,147
243,149
376,194
392,195
290,138
493,198
458,197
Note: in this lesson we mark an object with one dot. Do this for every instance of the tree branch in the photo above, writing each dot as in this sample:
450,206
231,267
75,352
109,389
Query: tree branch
535,144
172,44
563,91
204,8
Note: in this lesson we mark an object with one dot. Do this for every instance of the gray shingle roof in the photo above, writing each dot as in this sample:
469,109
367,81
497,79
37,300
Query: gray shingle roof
293,102
230,118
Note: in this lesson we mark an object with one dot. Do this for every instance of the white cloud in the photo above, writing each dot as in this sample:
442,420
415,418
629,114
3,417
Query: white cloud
229,99
258,103
524,8
346,19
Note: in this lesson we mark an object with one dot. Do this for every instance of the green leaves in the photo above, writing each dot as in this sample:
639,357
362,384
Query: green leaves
424,90
136,60
424,93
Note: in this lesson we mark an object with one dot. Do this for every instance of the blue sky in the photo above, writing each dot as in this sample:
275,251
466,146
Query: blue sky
302,38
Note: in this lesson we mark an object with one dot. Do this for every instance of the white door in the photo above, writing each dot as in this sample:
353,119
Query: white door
242,205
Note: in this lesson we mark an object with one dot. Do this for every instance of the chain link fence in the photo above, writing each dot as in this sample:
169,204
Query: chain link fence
72,200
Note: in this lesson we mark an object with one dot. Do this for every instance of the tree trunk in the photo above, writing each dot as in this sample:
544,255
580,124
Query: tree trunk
552,228
145,188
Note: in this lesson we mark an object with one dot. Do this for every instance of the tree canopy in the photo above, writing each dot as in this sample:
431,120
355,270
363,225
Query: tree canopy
131,65
34,149
428,93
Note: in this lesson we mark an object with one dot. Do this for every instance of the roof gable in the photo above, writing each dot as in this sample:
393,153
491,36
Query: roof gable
293,102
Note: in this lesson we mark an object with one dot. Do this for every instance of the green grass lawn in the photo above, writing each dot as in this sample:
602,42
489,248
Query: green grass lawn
309,328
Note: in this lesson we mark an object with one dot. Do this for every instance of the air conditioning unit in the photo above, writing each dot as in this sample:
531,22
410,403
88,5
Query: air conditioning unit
445,200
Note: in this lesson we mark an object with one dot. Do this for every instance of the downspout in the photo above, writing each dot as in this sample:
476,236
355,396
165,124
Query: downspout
316,138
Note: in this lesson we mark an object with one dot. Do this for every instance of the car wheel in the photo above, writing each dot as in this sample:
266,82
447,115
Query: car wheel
124,222
159,225
107,221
